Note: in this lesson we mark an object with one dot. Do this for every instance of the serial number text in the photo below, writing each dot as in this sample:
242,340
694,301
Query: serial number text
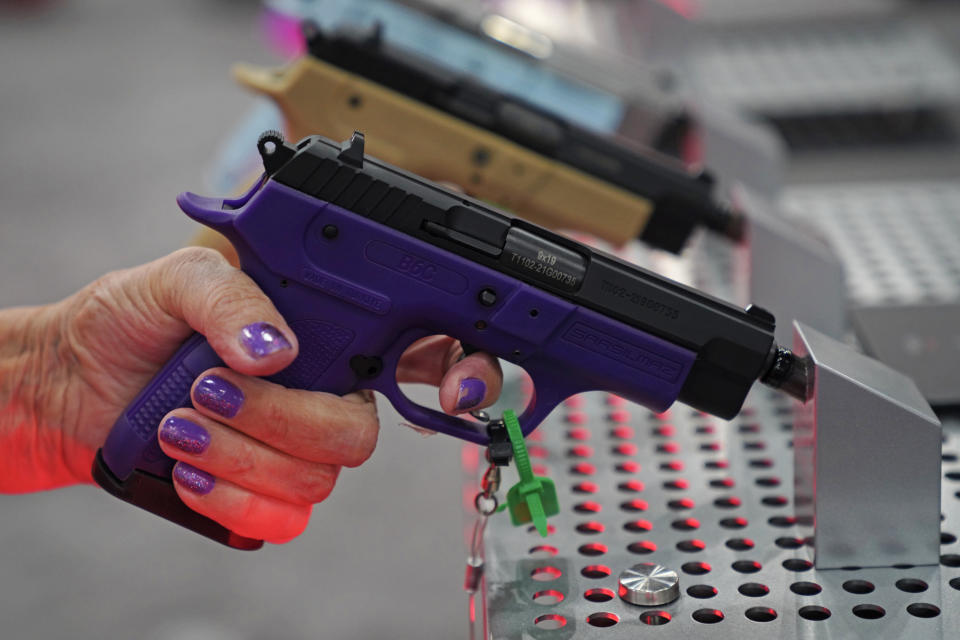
544,267
639,299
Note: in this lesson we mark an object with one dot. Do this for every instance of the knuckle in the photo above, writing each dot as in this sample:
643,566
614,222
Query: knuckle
314,483
170,277
275,424
248,515
118,298
104,286
195,257
240,460
226,292
188,265
95,300
232,298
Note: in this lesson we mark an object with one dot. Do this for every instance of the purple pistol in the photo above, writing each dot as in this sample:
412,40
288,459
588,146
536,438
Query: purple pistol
362,259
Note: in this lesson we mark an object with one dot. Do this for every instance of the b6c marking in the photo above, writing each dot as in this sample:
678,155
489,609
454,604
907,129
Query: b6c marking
419,269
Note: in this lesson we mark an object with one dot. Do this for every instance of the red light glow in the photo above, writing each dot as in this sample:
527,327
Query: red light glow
625,449
538,452
581,451
665,431
634,486
628,466
579,433
587,507
668,447
635,505
622,432
585,487
583,469
616,401
545,574
590,527
638,526
548,597
643,547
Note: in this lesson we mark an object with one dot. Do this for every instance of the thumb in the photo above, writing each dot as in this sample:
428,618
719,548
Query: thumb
240,322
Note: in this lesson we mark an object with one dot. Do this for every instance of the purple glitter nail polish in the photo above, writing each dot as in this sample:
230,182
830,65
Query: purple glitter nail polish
218,395
261,339
471,393
184,435
193,479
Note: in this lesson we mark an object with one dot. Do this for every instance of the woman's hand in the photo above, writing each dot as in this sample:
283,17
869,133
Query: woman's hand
251,454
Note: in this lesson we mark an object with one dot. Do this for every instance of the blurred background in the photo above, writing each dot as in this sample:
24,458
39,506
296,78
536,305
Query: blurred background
108,109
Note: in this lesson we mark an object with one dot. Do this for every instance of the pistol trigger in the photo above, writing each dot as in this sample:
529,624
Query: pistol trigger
351,151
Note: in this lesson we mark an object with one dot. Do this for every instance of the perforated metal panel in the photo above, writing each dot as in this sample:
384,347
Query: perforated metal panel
898,241
824,69
713,500
720,12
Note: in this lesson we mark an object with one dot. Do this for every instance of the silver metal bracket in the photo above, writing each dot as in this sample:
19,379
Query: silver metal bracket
792,271
867,452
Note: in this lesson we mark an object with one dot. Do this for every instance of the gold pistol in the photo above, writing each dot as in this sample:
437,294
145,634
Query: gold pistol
450,144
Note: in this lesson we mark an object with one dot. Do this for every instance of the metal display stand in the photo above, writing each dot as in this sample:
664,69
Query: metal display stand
897,240
866,433
713,501
825,68
726,12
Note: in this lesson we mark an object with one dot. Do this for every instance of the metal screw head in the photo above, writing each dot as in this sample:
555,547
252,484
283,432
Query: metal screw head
487,297
649,584
330,231
481,156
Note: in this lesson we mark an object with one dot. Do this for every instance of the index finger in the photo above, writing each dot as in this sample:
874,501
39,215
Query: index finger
465,383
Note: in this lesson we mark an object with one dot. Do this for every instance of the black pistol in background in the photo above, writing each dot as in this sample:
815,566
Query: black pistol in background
449,127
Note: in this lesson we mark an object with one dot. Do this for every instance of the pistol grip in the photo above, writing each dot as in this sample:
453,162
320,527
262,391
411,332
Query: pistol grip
131,465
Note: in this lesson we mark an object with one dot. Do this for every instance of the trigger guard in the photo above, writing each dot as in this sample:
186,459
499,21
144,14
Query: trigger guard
548,393
416,414
536,411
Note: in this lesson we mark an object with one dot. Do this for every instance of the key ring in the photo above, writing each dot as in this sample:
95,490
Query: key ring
486,505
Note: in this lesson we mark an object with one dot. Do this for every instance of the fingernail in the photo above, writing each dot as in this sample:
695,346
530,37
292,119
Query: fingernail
193,479
260,339
471,393
219,395
184,435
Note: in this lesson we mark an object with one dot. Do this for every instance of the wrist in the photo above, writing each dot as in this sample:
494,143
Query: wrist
33,392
